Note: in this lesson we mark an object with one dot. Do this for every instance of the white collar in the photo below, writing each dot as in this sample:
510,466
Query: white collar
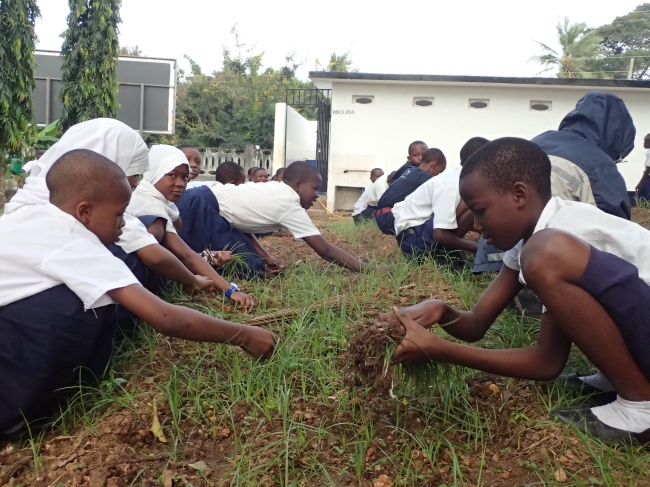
554,205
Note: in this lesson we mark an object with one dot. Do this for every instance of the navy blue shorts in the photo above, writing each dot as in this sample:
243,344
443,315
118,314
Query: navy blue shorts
488,258
616,285
204,228
48,343
418,242
386,222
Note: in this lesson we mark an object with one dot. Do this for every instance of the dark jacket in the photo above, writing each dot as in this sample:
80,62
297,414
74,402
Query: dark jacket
597,133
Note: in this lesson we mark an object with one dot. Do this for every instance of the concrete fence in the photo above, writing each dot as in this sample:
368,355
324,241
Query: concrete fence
211,157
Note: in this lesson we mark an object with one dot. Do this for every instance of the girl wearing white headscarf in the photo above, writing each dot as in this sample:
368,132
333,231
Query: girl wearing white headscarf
153,202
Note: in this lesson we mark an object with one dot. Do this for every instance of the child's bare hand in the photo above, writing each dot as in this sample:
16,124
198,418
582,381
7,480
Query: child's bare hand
382,269
203,283
426,314
258,342
224,256
275,266
245,300
418,345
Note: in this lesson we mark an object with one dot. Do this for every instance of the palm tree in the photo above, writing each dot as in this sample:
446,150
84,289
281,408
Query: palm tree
342,63
579,46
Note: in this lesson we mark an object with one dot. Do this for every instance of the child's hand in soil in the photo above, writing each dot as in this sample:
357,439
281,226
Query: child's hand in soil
418,345
258,342
275,265
203,283
245,300
426,314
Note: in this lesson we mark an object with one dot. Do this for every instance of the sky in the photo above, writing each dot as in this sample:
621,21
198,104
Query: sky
471,37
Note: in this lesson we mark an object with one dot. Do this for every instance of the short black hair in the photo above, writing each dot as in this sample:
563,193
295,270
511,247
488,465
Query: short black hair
434,155
82,173
251,170
414,143
260,169
506,161
372,173
187,146
471,146
391,176
279,171
299,171
229,171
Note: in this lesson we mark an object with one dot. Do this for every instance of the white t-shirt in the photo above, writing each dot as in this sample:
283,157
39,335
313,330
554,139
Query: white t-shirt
647,158
263,208
134,235
627,240
438,197
362,202
377,189
42,247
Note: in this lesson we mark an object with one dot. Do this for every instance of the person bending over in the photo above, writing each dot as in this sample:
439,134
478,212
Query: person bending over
433,163
59,283
362,202
589,268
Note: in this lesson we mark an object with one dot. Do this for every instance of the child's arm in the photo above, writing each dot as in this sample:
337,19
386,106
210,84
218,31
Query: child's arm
450,241
332,253
180,322
197,265
274,265
164,263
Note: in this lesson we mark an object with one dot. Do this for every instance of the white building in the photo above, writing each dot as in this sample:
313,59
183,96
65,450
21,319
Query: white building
374,117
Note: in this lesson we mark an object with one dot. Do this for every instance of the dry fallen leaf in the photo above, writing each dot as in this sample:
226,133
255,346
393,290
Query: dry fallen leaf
168,481
201,466
383,481
561,476
156,429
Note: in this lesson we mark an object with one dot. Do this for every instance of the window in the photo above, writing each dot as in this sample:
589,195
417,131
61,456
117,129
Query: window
478,103
540,106
422,101
363,99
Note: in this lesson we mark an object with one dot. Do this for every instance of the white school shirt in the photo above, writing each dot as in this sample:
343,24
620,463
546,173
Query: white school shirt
647,158
42,247
362,202
377,189
438,197
627,240
263,208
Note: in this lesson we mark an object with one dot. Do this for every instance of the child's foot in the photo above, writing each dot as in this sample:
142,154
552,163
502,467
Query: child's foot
620,420
596,386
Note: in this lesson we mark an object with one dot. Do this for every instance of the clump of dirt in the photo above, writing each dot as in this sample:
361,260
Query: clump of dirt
366,359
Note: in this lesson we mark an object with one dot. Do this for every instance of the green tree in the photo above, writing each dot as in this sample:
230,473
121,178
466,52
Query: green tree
625,38
17,41
90,50
580,46
130,51
342,63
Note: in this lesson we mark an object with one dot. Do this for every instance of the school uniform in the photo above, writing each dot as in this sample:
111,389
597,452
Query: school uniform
396,193
404,170
361,205
618,272
644,190
57,322
432,205
377,189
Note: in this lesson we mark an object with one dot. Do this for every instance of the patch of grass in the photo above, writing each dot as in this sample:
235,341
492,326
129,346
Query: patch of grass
292,420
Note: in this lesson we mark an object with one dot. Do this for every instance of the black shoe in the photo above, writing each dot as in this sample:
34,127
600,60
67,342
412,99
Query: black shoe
585,421
579,387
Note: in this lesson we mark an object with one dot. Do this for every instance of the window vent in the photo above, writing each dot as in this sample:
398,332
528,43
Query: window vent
478,104
540,106
363,100
422,101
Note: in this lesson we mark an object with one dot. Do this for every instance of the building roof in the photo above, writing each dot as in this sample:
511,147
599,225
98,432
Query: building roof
325,78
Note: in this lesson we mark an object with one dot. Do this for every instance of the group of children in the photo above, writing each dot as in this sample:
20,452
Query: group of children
82,236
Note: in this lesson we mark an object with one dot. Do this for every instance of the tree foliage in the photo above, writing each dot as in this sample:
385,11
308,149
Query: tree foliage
90,50
580,46
627,36
130,51
236,105
338,63
17,44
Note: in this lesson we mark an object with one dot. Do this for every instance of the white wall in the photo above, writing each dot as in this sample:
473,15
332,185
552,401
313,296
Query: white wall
378,134
279,132
301,137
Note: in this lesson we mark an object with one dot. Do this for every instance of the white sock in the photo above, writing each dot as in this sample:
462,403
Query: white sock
599,381
632,416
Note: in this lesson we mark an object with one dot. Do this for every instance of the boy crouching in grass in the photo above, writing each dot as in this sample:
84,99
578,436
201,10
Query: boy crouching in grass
590,269
59,283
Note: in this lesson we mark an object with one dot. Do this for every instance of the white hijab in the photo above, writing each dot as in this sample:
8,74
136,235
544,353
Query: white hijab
146,199
110,138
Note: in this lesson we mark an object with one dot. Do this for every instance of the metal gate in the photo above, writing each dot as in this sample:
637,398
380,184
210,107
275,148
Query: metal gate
323,119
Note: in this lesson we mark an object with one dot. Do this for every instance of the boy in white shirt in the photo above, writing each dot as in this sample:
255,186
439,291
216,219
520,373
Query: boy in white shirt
590,269
226,216
432,219
58,287
643,188
362,202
